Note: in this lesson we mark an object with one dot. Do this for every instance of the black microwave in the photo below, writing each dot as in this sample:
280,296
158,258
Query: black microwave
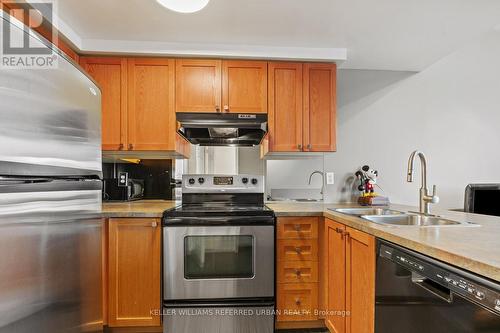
483,199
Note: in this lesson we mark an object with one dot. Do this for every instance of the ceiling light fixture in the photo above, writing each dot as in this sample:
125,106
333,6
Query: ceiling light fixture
184,6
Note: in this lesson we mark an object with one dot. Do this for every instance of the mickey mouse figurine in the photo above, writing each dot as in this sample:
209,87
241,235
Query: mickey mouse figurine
368,178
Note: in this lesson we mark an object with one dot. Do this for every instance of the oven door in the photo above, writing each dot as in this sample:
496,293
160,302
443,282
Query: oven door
218,261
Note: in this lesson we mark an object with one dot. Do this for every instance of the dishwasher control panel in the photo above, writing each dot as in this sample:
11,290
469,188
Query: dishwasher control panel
465,285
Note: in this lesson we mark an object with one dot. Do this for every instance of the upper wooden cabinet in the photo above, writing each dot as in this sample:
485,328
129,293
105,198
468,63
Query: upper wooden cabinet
221,86
244,86
285,107
138,104
111,75
302,107
151,117
320,107
198,85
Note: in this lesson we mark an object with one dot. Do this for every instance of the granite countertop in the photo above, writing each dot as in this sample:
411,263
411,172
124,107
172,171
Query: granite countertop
473,248
140,208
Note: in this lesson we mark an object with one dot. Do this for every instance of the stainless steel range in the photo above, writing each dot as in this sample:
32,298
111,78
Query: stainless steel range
218,266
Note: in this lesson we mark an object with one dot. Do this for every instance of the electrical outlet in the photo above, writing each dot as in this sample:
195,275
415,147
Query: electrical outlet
330,178
122,178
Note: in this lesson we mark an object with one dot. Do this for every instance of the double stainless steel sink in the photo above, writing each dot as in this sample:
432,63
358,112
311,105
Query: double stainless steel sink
397,218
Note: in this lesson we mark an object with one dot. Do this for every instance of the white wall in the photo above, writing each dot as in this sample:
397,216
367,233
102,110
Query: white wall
451,111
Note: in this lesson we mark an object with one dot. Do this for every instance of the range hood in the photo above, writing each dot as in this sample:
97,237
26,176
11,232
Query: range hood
222,129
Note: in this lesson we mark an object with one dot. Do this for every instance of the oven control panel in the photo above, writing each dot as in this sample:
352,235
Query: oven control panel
196,183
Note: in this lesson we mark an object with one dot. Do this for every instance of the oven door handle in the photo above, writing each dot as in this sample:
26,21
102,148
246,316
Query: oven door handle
219,220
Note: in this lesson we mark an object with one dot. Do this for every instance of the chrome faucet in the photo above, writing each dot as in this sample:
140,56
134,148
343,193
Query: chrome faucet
322,179
425,197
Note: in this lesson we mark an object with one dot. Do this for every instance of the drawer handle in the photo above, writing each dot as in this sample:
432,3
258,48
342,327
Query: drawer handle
297,301
298,272
297,227
298,250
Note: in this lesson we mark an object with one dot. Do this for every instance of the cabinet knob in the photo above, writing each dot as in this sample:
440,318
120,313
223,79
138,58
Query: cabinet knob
298,272
130,146
120,147
299,146
217,108
309,146
297,227
154,224
298,250
226,108
297,301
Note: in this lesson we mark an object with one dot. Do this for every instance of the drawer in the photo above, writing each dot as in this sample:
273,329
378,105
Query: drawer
297,271
297,250
297,301
297,227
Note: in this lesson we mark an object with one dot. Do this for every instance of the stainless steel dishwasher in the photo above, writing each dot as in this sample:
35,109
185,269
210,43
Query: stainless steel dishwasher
415,294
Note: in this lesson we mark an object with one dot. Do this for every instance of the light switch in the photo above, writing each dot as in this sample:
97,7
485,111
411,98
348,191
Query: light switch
330,178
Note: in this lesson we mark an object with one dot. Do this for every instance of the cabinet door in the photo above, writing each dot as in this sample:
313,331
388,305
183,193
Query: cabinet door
285,106
320,107
360,284
198,85
336,299
134,272
151,116
111,75
244,86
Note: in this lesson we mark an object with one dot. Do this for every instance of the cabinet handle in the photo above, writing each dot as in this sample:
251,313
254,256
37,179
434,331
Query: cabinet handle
120,147
130,146
298,250
299,146
297,227
298,272
217,108
297,301
226,108
154,224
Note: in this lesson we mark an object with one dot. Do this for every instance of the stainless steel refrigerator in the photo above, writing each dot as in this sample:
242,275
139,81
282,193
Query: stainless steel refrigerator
50,199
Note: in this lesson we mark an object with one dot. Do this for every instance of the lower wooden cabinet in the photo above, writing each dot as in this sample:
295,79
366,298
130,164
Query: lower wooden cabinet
133,274
297,270
351,279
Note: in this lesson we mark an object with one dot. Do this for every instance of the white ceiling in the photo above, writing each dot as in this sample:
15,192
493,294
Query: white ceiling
377,34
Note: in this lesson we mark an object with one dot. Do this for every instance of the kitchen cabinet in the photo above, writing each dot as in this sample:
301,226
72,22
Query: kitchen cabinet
111,75
297,270
244,86
134,259
237,86
138,115
302,107
151,117
351,279
198,85
320,107
285,107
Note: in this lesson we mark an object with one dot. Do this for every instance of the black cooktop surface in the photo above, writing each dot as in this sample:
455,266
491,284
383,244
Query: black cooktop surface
218,209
